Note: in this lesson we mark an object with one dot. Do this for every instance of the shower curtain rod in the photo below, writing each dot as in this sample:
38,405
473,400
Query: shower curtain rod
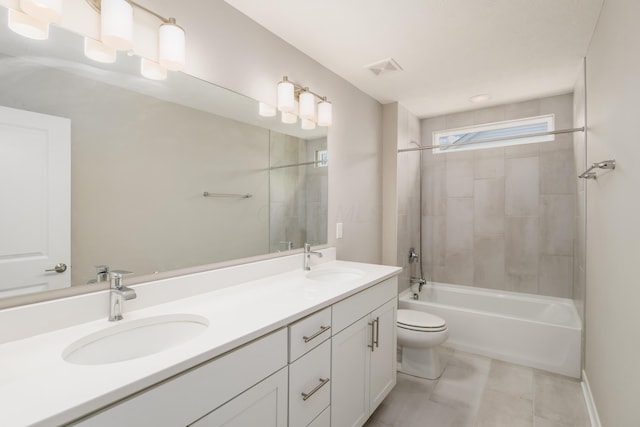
503,138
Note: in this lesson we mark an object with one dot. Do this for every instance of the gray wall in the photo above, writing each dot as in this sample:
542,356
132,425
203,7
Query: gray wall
613,209
502,218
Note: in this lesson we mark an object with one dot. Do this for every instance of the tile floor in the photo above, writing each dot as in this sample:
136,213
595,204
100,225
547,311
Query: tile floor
476,391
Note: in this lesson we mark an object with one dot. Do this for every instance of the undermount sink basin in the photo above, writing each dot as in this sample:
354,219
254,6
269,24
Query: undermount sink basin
335,275
138,338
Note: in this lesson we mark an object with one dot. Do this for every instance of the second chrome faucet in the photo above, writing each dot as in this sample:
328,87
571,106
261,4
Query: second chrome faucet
307,256
118,293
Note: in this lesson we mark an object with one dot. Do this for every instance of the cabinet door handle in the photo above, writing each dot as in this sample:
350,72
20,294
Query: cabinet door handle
373,336
377,322
323,381
322,330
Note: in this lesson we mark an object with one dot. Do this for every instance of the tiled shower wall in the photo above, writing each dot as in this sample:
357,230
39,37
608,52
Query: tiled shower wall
501,218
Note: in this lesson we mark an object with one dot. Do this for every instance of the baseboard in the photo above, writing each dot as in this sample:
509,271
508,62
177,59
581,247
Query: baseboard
588,399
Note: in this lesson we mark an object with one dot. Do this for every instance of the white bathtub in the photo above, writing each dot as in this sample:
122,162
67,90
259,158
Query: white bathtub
532,330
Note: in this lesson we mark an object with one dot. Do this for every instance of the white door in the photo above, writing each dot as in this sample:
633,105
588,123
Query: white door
383,359
350,374
35,190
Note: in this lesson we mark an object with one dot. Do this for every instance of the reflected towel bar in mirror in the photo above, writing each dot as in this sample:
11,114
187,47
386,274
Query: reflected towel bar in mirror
224,195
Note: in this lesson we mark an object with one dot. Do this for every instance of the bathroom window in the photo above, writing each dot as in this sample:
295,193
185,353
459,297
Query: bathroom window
321,159
447,141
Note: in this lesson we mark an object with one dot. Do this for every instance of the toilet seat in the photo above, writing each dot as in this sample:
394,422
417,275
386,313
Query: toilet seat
420,321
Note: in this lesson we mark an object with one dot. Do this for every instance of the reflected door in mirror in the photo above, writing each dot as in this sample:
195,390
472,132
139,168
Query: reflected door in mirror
35,200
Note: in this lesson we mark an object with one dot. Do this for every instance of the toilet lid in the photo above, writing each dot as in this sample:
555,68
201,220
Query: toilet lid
420,321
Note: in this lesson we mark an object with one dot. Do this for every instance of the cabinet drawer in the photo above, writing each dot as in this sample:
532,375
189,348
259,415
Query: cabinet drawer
309,332
323,420
359,305
309,388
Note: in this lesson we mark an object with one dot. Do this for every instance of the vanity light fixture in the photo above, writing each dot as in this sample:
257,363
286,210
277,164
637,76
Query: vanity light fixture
117,31
295,100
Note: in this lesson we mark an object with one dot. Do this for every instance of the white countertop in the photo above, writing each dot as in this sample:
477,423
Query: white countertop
37,387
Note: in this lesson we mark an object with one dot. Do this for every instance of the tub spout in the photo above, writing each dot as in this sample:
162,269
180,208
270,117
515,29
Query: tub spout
419,280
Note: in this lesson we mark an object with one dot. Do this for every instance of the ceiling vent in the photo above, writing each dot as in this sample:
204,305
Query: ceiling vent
385,66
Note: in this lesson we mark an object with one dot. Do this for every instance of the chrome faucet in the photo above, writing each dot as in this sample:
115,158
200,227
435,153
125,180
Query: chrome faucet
419,280
307,255
118,294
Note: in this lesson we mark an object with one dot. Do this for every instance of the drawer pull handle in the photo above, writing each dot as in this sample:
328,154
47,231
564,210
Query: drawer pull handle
322,330
323,381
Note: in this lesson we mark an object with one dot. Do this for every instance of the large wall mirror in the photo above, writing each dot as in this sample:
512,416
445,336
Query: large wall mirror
100,166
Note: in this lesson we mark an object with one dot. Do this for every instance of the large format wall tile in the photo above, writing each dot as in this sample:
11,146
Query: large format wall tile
556,224
521,248
521,186
459,178
489,206
459,231
556,275
489,261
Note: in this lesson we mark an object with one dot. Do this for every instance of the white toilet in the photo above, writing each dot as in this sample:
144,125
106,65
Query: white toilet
419,335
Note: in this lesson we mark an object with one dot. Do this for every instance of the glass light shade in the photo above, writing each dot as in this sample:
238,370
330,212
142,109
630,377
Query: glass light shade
288,118
286,97
307,106
28,26
43,10
308,124
171,46
324,113
266,110
98,51
152,70
117,24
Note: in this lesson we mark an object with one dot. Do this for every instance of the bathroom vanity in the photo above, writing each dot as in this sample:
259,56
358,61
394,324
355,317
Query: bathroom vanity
291,348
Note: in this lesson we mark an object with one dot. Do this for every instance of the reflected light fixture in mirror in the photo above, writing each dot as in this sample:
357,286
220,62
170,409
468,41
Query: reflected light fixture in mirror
43,10
295,100
308,124
152,70
288,118
266,110
28,26
98,51
116,24
118,16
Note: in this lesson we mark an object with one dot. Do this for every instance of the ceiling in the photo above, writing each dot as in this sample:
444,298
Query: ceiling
450,50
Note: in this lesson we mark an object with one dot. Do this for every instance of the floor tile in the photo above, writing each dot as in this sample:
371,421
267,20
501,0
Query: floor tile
509,378
558,398
500,409
462,382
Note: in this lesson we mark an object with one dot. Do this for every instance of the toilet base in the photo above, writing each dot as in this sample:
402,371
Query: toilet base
422,362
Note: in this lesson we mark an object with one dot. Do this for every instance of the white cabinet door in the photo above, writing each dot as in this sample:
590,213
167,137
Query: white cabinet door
383,358
263,405
350,375
35,194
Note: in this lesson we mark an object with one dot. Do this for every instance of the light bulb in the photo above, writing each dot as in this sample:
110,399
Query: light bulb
98,51
171,46
286,96
28,26
152,70
288,118
266,110
307,106
117,24
43,10
308,124
324,113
